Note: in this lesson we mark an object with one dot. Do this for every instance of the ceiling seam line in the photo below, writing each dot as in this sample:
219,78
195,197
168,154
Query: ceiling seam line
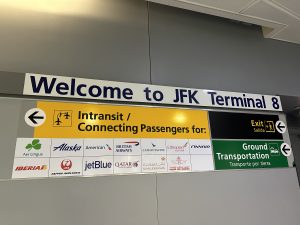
249,5
282,8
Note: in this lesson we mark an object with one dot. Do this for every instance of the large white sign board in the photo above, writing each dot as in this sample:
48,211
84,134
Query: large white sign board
71,87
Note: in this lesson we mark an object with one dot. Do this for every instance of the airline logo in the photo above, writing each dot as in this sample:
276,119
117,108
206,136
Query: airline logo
33,148
71,166
154,163
30,167
39,167
127,147
98,165
153,146
66,164
179,146
127,164
98,147
179,163
66,147
200,147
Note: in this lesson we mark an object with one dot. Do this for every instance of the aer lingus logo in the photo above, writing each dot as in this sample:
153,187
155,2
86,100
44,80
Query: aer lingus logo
35,144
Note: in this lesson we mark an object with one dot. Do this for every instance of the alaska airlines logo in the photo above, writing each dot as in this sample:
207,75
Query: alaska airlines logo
64,147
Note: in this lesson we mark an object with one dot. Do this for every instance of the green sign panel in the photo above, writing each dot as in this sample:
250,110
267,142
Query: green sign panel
248,154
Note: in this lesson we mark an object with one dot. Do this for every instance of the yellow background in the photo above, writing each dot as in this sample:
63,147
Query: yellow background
152,116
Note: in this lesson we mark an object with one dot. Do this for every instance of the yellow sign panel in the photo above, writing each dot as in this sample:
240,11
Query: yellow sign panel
73,120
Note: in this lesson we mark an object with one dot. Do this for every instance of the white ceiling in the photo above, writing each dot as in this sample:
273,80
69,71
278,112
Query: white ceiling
280,19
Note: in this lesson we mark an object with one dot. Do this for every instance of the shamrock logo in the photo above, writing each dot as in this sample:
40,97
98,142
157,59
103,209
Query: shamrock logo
35,144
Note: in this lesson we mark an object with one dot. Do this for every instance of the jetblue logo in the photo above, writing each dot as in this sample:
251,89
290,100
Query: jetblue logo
96,165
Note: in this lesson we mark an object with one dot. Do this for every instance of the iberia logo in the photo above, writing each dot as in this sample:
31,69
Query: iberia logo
66,164
40,167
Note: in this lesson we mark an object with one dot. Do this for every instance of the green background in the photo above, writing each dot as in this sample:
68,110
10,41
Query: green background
235,147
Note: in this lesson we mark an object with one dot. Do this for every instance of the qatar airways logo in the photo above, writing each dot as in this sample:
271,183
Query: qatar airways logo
127,165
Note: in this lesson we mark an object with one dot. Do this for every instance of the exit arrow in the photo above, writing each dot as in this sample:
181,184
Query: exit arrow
33,117
280,126
286,150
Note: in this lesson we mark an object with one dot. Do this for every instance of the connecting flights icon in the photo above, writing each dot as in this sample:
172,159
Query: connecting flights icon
62,118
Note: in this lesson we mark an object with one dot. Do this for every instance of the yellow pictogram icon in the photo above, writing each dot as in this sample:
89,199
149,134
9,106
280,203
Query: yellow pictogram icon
62,118
269,126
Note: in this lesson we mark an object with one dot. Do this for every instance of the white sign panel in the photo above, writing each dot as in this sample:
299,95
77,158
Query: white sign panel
70,87
202,162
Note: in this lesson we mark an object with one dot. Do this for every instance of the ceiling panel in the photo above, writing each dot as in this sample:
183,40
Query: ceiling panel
231,5
269,11
266,10
292,5
289,34
280,19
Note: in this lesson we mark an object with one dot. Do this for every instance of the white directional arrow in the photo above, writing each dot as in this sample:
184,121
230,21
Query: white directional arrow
35,117
286,149
280,126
